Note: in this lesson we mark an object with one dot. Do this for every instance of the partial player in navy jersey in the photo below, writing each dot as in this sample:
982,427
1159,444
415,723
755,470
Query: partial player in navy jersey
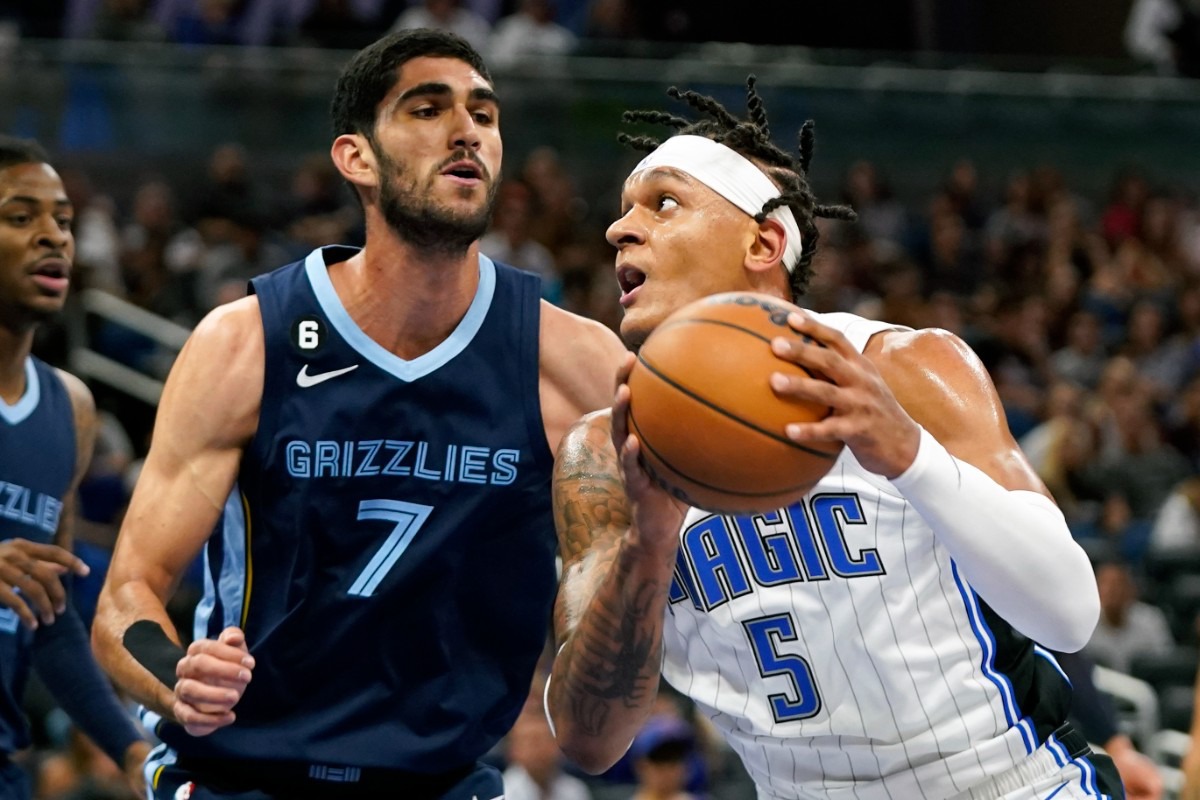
362,450
888,635
47,428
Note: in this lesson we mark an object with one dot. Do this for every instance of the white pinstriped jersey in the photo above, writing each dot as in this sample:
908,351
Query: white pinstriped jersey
842,654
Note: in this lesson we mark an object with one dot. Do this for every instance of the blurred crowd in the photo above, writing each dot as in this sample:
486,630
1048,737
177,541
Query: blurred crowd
502,30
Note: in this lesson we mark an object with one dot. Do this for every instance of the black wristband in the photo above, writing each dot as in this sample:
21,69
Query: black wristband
150,646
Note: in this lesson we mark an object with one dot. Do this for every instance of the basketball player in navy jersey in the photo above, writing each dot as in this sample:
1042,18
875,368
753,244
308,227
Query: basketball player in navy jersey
886,637
47,428
363,449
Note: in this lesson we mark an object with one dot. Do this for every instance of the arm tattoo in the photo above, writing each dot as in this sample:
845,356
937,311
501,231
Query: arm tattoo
616,651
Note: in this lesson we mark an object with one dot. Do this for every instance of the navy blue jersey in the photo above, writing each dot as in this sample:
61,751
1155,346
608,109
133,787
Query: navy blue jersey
37,462
389,547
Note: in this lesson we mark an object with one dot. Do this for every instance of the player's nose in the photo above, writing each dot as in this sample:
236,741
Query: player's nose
464,132
51,235
625,231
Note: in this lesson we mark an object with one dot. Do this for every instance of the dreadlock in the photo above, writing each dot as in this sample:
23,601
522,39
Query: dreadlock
752,139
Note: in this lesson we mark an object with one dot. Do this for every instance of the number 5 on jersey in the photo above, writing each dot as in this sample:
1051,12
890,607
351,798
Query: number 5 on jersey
765,634
408,519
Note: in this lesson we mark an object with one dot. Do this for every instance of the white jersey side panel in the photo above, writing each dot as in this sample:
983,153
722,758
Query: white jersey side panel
836,646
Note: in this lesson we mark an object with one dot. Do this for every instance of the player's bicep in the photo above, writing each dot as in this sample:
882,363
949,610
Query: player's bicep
207,414
944,386
591,514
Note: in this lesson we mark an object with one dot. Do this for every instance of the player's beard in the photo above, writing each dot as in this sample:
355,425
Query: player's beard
421,221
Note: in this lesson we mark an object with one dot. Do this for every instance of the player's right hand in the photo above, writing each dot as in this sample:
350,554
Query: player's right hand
31,579
212,678
655,512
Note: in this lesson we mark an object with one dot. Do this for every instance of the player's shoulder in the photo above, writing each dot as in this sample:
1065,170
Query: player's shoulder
77,390
578,349
226,349
231,317
230,327
559,322
908,348
82,403
933,372
220,370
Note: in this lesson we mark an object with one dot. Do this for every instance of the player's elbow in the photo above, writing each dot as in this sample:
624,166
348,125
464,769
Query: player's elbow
1078,623
101,643
1073,619
592,754
592,751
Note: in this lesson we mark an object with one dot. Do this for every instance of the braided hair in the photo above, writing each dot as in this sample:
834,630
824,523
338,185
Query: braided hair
752,139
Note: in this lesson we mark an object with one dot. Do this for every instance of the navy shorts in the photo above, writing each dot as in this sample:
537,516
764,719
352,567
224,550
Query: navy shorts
170,777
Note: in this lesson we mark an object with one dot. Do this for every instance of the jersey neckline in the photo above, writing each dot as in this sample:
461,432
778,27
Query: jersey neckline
18,412
317,269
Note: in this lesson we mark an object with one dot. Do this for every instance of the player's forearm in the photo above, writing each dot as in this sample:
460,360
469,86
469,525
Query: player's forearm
606,674
1013,547
119,607
64,662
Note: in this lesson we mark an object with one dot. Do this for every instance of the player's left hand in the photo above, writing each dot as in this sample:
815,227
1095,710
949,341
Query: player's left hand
864,413
212,677
133,766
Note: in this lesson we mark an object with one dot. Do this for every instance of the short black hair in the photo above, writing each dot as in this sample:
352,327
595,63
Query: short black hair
15,151
752,139
374,70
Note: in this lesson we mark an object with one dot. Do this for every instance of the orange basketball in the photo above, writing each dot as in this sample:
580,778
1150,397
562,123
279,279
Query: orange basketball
710,426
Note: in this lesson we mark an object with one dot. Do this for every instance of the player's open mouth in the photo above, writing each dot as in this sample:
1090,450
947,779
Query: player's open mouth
630,278
464,170
52,275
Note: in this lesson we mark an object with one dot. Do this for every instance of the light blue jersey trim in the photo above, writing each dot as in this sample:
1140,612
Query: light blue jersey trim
408,371
231,580
21,410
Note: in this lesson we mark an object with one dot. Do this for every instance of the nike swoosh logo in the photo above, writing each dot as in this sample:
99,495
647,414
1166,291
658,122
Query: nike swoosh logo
304,380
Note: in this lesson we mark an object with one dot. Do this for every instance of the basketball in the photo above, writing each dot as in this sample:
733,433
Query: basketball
710,426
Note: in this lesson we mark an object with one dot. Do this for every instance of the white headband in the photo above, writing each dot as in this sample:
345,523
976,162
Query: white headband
731,175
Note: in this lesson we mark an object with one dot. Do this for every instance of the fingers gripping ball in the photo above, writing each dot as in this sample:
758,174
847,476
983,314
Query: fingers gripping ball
710,426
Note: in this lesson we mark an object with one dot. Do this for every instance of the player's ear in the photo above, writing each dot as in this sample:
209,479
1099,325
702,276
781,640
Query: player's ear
767,248
355,159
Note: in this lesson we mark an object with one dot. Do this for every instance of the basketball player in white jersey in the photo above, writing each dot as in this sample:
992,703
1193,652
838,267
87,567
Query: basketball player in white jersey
885,638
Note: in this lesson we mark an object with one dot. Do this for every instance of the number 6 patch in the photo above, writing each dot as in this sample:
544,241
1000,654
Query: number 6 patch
308,334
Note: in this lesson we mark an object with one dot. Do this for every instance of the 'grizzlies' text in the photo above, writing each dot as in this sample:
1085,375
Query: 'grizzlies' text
457,463
30,507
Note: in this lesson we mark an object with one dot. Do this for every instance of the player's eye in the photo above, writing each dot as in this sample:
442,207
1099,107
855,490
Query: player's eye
666,202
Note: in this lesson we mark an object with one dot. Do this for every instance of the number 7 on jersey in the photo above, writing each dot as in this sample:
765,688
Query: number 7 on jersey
408,519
